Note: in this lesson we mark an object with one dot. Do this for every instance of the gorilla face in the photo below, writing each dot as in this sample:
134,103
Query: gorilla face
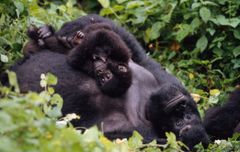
178,114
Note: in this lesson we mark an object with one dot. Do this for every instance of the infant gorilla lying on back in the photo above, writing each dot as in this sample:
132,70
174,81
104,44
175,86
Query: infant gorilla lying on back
146,105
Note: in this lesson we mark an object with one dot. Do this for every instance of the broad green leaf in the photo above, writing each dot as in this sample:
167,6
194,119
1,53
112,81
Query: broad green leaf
236,63
104,3
57,100
222,20
202,43
236,51
195,24
236,33
196,5
205,14
211,31
184,30
155,30
51,79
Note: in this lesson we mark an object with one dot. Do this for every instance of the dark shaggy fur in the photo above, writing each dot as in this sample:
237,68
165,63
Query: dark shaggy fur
221,122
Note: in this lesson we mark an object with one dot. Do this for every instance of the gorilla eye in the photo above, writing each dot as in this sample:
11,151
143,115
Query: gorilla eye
179,123
188,116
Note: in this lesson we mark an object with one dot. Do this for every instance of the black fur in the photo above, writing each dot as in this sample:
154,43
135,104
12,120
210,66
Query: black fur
221,122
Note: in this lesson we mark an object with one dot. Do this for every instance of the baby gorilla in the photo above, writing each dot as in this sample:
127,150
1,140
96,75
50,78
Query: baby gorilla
97,51
221,122
103,55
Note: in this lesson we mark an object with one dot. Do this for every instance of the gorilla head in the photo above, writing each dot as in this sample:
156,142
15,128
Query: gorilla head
178,114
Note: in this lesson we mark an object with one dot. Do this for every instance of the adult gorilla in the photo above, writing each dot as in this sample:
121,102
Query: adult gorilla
171,103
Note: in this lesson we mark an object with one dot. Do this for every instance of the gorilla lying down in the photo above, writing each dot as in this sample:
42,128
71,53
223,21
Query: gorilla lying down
97,52
221,122
152,103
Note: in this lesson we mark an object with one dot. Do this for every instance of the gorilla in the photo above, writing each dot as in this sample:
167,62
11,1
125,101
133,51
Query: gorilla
222,121
165,105
110,62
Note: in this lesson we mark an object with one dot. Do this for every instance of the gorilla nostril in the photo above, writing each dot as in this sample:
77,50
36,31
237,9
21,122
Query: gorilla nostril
185,129
108,76
122,68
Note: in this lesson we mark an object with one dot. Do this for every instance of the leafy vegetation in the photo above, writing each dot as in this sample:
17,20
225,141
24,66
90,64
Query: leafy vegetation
197,40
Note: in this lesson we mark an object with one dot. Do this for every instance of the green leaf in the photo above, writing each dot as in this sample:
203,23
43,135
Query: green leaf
19,6
51,79
104,3
205,14
155,30
136,140
134,4
222,20
195,24
214,92
184,30
236,51
236,63
121,1
13,80
236,33
202,43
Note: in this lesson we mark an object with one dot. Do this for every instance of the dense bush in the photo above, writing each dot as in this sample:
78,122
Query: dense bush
196,40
